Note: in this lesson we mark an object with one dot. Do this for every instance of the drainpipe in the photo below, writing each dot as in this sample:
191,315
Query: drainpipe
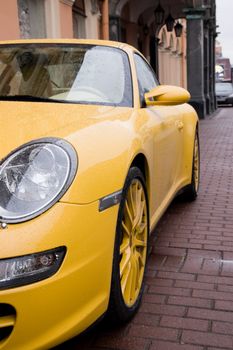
184,61
105,20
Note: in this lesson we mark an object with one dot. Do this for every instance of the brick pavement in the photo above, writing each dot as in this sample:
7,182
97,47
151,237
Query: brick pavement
188,300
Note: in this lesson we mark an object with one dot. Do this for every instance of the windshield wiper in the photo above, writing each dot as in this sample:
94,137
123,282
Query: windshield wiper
29,98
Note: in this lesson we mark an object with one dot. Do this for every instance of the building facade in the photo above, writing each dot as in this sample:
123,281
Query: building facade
54,19
177,37
188,61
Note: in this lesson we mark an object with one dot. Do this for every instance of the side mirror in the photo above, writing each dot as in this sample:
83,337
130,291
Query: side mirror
166,95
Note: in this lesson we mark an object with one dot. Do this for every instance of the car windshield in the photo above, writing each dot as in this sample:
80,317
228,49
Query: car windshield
224,87
76,73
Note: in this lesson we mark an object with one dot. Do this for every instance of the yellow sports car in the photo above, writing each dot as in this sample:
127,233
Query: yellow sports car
92,152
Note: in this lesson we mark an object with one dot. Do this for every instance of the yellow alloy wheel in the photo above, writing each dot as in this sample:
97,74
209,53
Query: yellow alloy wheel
133,247
130,250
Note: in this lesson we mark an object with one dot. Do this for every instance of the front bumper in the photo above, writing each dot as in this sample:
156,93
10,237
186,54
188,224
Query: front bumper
224,100
229,100
55,309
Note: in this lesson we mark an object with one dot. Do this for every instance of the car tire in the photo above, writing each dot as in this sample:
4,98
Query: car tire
191,191
131,249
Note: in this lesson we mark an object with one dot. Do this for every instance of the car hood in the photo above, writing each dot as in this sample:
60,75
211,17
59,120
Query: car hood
223,93
100,135
21,122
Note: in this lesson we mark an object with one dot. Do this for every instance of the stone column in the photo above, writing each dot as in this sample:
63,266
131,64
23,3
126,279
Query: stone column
195,59
93,29
212,70
52,18
207,66
212,56
167,66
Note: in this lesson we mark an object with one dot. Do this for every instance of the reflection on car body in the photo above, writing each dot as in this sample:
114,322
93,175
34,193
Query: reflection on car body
93,150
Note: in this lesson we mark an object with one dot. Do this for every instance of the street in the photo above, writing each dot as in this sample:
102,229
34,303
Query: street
188,297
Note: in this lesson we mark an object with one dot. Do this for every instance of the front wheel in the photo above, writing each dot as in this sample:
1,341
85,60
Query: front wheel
131,248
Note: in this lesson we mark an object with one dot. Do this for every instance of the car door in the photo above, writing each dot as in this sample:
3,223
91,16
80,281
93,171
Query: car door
166,127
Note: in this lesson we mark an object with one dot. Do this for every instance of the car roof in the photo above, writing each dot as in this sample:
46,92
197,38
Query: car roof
110,43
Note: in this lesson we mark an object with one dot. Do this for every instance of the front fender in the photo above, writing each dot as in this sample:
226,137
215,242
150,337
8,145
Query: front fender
104,157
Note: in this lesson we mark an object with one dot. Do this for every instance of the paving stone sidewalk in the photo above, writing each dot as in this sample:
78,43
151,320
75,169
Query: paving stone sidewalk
188,300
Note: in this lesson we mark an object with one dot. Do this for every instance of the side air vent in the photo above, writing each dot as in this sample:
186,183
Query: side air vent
7,320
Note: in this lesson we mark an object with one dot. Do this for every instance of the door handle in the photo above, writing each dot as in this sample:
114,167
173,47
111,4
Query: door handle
179,125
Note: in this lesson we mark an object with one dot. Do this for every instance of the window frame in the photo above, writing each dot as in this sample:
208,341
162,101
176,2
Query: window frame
136,53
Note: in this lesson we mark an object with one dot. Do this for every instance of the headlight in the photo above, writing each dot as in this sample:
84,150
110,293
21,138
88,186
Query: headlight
34,177
30,268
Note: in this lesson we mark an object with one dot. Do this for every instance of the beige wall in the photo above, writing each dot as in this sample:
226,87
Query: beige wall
172,58
58,14
57,21
9,23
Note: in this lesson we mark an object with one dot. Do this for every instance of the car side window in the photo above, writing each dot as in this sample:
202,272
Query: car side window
145,75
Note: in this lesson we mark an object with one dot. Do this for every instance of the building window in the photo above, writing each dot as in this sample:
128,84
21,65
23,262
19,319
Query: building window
79,19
